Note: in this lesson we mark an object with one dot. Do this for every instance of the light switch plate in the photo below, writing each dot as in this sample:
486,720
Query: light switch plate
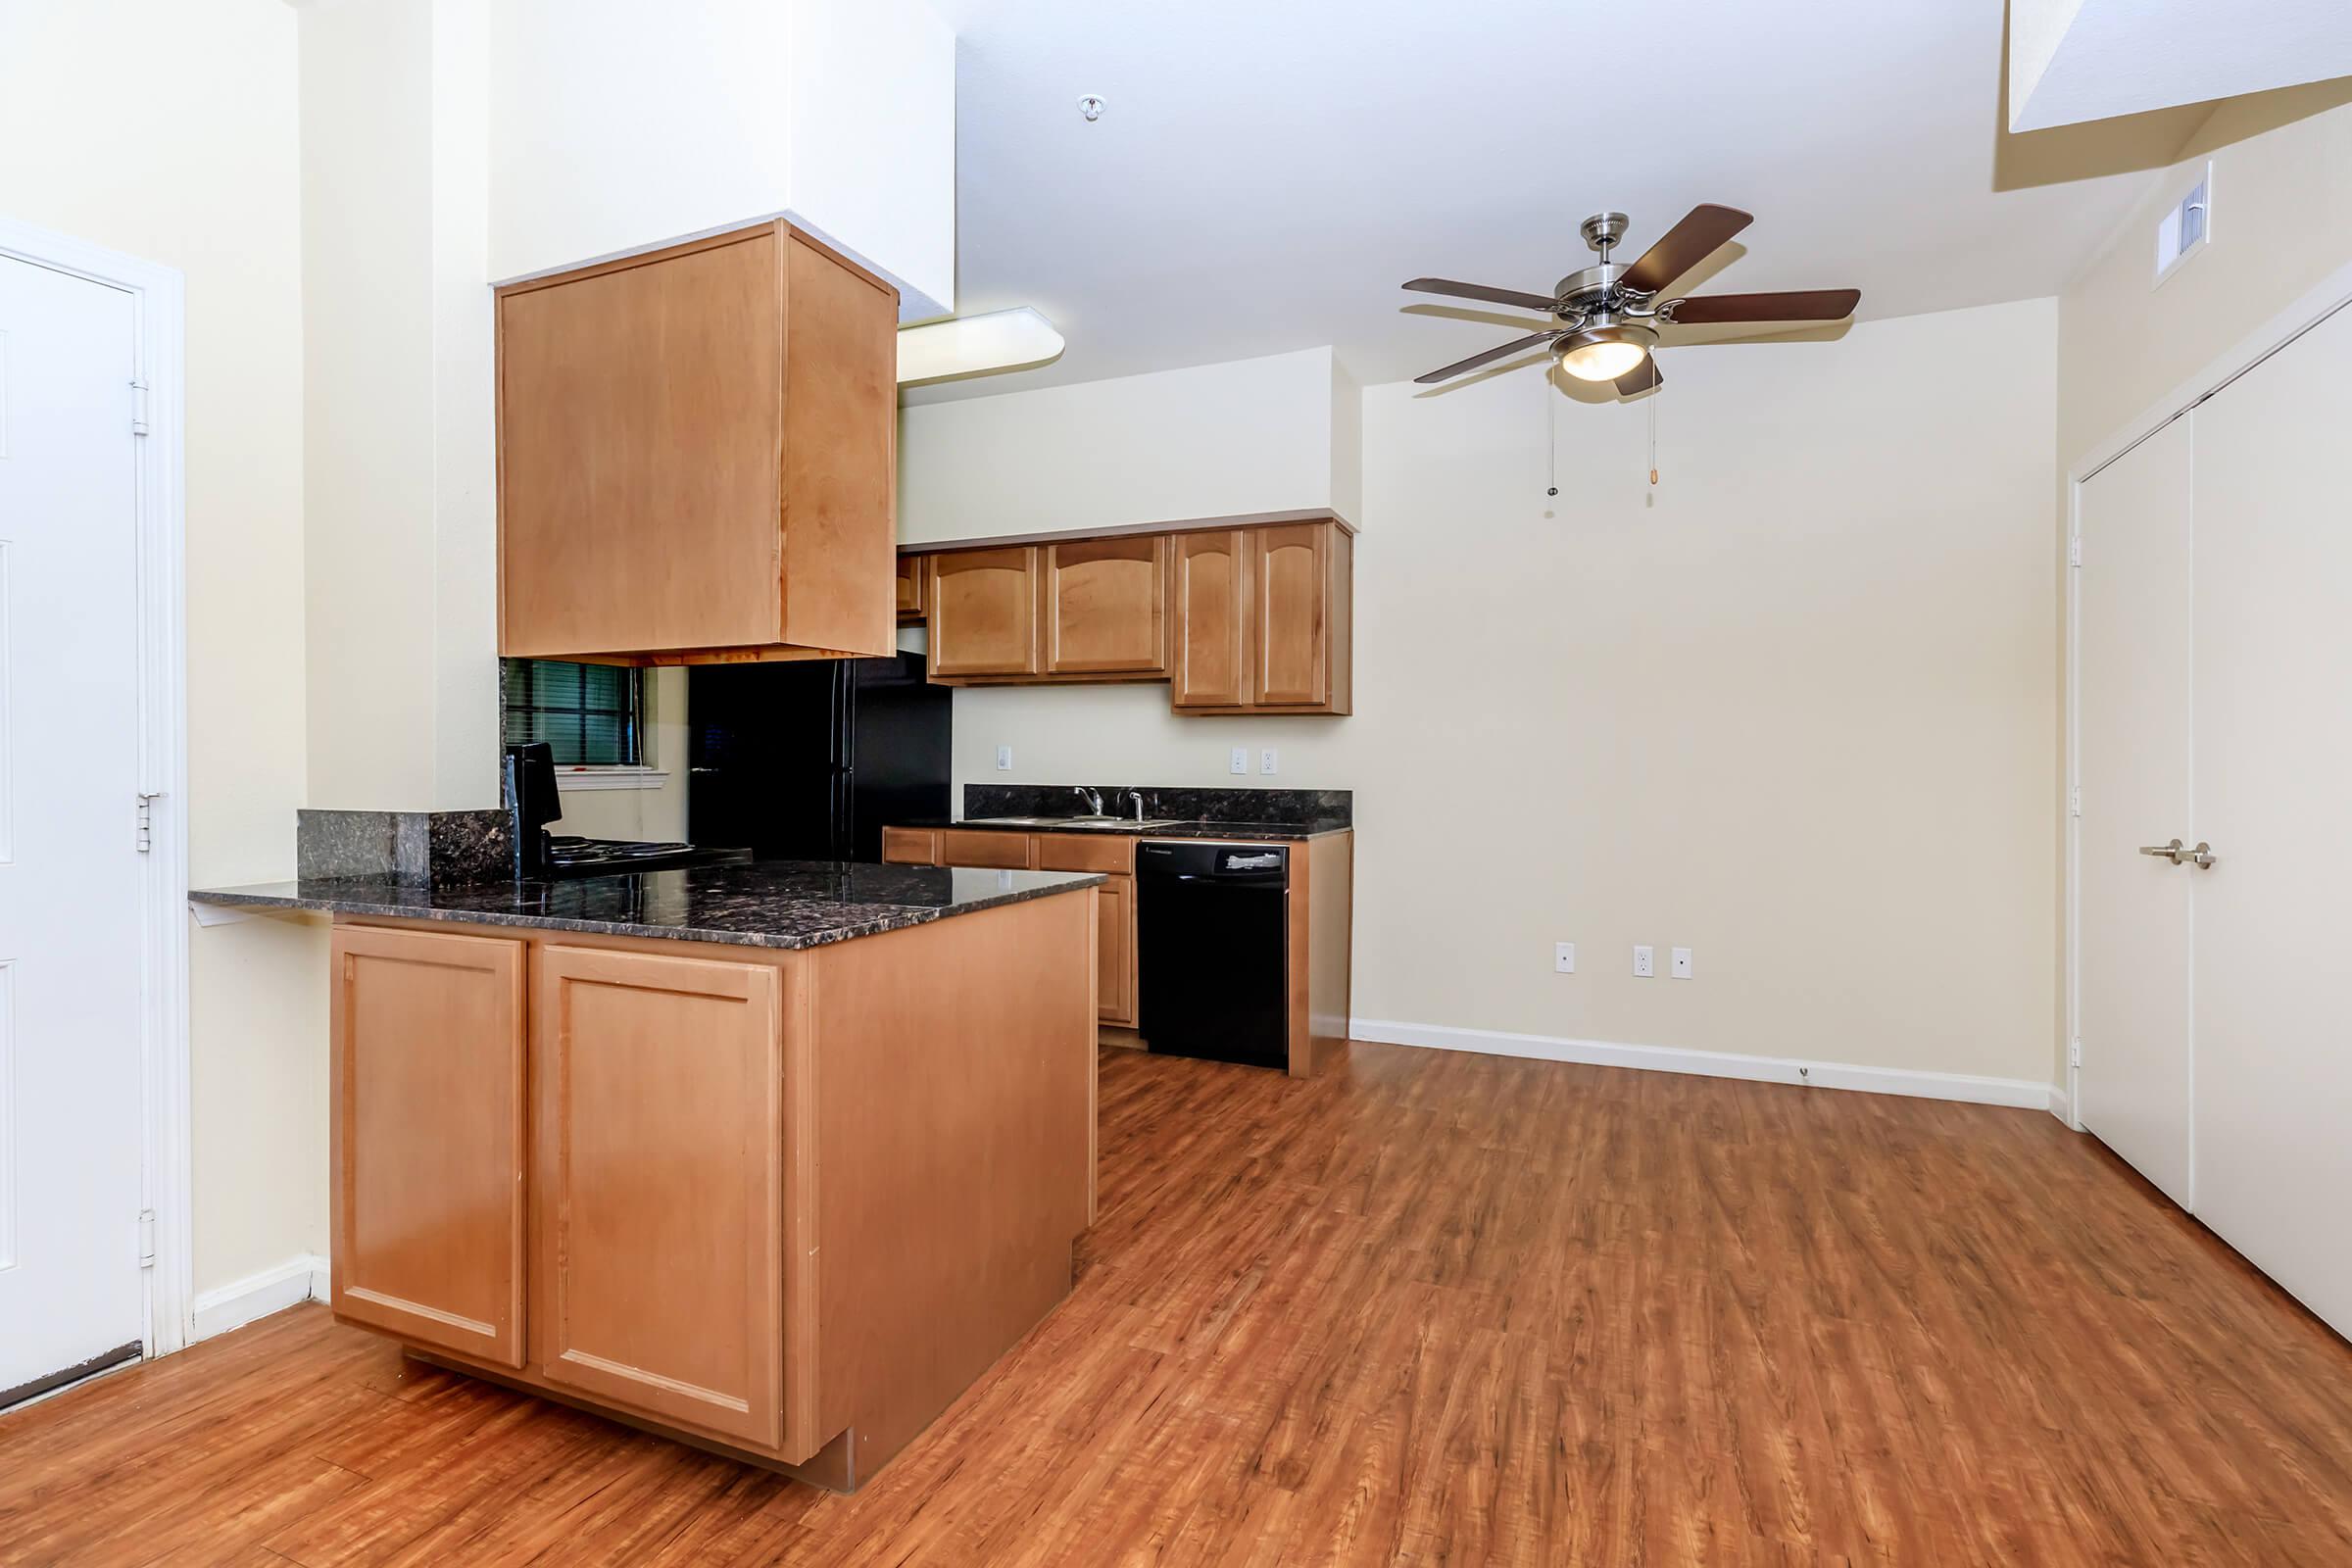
1240,759
1645,963
1003,758
1265,760
1682,963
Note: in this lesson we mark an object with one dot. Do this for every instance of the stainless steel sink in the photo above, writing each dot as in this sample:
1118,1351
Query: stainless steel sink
1080,823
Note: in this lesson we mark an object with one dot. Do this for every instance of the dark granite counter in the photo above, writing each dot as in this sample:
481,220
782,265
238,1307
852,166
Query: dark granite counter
764,903
1250,831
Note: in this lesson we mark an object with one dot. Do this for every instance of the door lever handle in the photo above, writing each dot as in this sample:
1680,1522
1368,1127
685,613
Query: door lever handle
2202,856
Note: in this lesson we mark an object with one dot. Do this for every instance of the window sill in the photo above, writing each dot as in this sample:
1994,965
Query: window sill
568,780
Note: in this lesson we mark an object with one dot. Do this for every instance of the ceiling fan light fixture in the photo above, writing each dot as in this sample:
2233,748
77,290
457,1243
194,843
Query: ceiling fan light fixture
1604,353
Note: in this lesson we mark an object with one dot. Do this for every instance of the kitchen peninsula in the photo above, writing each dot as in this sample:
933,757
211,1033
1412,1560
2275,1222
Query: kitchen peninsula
773,1158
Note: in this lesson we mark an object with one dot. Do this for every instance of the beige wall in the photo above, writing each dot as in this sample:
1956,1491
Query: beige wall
1792,710
168,130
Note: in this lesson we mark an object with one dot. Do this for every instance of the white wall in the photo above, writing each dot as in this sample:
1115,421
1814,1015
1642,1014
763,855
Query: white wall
1793,710
1280,433
168,130
616,126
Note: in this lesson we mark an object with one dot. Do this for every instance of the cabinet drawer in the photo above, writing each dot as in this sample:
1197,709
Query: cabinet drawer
1084,852
910,846
981,847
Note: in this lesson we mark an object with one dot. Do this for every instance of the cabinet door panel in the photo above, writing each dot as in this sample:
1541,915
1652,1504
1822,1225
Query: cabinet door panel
638,432
661,1144
910,846
914,576
1114,949
983,612
427,1069
1291,642
1106,606
1212,667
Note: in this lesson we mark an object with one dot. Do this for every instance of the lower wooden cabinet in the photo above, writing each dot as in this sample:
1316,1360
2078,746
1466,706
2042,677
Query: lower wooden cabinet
426,1085
1114,900
910,846
1115,951
1004,852
660,1139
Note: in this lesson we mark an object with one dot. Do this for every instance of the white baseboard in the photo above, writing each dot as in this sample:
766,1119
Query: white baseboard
299,1279
2060,1107
1967,1087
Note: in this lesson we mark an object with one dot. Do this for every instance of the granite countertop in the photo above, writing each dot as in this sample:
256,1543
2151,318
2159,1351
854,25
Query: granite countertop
763,903
1251,831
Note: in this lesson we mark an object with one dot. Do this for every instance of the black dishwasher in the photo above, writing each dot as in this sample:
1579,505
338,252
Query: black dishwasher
1213,949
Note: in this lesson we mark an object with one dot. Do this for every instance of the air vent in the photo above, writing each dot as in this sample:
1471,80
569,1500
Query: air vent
2185,227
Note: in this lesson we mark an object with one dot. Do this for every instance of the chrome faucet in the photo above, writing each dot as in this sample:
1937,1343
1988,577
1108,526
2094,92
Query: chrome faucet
1093,799
1137,795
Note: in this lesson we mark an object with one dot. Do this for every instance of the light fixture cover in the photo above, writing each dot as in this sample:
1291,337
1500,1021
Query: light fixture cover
1603,353
1017,339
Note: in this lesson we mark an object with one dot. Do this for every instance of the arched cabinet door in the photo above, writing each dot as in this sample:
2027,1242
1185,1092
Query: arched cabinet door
1213,613
983,612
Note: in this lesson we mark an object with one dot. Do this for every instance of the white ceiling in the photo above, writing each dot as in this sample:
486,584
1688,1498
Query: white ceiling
1268,172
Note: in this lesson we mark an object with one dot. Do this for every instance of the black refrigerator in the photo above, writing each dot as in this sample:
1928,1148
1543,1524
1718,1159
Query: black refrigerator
808,760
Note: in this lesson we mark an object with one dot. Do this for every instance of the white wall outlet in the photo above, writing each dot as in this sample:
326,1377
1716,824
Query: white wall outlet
1240,759
1645,963
1682,963
1003,758
1563,957
1265,760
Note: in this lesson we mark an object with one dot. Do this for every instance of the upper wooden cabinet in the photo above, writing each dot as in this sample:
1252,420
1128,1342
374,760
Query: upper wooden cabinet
914,589
1265,621
697,456
1102,606
983,612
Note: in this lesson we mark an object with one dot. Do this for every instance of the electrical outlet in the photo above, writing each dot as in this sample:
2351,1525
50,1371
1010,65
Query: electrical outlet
1003,758
1240,759
1563,957
1645,963
1265,760
1682,963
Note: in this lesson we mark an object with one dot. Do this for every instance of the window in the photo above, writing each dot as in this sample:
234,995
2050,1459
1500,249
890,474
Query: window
592,715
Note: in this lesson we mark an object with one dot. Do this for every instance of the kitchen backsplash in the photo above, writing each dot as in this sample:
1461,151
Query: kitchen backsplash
1311,808
426,848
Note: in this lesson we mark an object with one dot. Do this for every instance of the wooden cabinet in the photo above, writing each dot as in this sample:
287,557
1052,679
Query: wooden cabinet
426,1087
697,456
1264,621
915,583
661,1149
983,612
1102,606
1115,910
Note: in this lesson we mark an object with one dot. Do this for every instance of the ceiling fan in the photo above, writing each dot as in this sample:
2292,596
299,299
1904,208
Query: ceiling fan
1609,313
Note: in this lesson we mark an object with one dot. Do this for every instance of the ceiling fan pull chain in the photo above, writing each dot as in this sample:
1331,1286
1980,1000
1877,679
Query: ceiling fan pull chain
1653,435
1551,435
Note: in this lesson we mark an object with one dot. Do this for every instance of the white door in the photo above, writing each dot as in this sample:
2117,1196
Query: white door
71,1287
2273,761
2133,640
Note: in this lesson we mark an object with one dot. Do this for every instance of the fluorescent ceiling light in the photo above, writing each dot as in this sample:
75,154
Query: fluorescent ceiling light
976,345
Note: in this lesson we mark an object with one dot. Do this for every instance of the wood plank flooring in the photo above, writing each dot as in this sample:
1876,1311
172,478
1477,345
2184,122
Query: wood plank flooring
1428,1308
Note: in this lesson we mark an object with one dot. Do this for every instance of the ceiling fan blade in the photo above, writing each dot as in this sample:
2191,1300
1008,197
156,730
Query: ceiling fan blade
1801,305
1504,351
1641,377
1699,234
1479,291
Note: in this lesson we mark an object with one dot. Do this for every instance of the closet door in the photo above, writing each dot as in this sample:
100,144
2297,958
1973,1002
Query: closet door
2273,761
2134,710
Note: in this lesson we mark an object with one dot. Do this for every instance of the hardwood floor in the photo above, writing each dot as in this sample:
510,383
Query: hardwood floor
1426,1308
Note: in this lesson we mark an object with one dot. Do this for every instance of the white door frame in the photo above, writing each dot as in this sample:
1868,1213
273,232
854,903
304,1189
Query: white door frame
2331,294
159,306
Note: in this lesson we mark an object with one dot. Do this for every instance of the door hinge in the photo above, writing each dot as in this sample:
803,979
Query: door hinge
2074,801
2074,1052
146,1238
2074,550
138,408
143,822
